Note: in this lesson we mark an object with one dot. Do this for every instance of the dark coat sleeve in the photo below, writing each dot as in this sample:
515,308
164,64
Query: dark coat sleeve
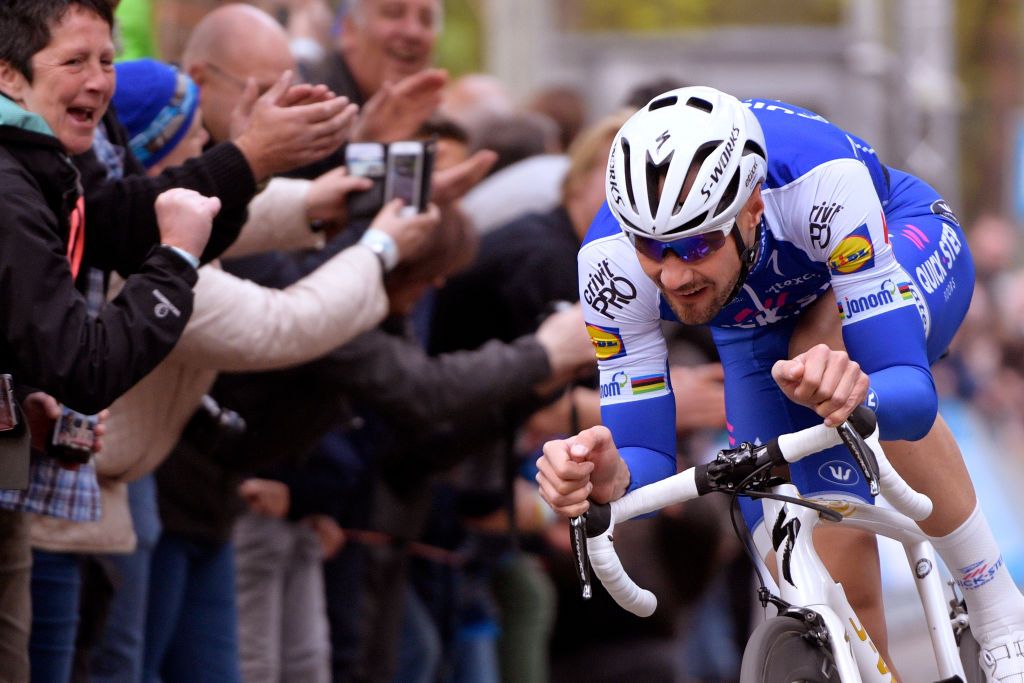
120,212
49,340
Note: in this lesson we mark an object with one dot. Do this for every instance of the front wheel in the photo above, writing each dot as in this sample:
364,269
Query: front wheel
781,651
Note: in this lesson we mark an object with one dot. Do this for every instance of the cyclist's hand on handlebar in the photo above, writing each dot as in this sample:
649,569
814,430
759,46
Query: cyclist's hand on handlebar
573,469
826,381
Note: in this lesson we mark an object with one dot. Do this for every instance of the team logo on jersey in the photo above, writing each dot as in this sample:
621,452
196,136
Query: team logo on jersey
618,385
885,296
854,253
941,208
820,222
606,292
936,268
607,342
839,472
915,236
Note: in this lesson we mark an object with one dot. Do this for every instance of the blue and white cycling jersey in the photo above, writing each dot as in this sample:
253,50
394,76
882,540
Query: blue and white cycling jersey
884,241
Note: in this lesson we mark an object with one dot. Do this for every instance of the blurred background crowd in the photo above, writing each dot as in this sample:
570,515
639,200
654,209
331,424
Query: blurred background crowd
331,478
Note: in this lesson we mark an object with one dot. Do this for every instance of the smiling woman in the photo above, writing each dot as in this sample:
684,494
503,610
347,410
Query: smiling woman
61,67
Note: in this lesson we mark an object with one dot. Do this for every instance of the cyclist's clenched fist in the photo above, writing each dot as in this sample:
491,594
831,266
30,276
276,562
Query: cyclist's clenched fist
828,382
582,466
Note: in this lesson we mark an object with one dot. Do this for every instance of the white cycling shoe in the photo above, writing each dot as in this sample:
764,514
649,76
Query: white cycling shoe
1002,658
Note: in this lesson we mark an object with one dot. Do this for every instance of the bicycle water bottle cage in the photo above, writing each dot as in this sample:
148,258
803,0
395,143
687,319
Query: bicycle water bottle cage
860,425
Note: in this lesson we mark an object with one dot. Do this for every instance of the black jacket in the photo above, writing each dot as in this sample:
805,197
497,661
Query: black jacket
120,211
47,339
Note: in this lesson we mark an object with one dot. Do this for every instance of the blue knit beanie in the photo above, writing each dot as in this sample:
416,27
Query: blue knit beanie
157,104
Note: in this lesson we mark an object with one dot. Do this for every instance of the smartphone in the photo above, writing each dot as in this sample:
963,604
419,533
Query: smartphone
366,160
74,435
8,413
404,178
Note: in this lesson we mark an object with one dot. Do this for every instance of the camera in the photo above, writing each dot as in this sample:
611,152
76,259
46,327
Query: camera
214,428
73,438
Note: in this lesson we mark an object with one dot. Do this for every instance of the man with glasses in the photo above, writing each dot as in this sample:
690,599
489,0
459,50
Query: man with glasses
756,218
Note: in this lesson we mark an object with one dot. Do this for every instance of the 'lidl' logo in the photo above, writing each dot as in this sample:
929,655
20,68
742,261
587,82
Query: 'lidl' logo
854,253
607,342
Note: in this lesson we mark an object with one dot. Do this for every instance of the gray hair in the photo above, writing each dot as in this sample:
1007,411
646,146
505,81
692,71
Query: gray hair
355,8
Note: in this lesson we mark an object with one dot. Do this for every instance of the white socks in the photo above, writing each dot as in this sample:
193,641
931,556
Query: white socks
995,606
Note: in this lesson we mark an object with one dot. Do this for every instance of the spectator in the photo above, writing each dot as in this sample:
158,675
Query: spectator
49,340
474,99
514,137
566,106
238,327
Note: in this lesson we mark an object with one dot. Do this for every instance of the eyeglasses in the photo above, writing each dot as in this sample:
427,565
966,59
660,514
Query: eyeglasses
235,80
687,249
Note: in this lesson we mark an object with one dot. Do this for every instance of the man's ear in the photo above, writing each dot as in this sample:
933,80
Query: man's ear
197,72
12,82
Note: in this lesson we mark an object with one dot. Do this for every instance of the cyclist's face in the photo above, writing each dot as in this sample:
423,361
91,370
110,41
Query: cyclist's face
697,290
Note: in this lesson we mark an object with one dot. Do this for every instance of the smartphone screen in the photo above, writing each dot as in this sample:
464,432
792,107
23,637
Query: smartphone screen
365,160
405,173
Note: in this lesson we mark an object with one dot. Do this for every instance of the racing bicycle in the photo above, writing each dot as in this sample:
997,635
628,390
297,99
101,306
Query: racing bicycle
816,636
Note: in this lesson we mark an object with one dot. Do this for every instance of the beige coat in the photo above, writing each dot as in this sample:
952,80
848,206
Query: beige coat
236,326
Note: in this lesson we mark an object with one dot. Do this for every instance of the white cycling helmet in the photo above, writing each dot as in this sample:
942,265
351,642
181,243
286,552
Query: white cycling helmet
653,151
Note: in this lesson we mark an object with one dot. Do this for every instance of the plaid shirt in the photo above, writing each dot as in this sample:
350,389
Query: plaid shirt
57,492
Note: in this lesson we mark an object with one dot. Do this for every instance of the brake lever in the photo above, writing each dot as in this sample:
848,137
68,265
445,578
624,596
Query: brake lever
862,453
578,541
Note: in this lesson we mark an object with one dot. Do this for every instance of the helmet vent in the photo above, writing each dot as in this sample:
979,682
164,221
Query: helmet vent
662,102
628,175
692,223
656,174
752,147
698,103
730,193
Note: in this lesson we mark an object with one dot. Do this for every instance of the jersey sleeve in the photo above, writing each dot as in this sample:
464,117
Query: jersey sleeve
621,309
875,297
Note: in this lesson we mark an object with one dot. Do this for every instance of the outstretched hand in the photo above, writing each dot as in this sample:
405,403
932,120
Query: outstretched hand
826,381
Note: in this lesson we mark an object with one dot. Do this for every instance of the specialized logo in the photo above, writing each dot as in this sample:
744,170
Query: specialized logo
785,532
820,222
613,184
723,160
661,140
923,568
606,290
941,208
885,296
854,253
648,384
607,342
618,386
978,574
164,306
936,268
839,472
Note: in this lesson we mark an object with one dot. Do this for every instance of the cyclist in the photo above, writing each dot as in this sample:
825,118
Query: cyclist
741,215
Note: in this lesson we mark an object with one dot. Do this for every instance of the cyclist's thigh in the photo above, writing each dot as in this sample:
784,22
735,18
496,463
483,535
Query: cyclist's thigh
931,247
757,411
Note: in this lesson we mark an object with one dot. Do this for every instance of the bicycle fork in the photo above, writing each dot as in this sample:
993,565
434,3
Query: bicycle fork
803,580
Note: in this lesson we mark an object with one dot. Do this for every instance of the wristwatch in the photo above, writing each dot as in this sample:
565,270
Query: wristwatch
383,246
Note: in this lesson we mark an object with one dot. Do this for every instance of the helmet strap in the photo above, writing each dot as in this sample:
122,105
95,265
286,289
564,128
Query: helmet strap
747,256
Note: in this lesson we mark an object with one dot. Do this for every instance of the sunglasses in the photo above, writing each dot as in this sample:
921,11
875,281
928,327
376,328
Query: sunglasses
687,249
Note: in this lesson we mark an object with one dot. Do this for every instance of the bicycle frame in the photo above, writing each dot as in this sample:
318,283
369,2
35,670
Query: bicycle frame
804,582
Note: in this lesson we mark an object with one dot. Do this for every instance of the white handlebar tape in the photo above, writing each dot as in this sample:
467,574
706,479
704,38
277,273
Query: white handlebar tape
608,568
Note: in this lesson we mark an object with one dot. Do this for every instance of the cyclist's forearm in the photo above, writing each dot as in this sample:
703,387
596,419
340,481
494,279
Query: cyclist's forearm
905,400
644,432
